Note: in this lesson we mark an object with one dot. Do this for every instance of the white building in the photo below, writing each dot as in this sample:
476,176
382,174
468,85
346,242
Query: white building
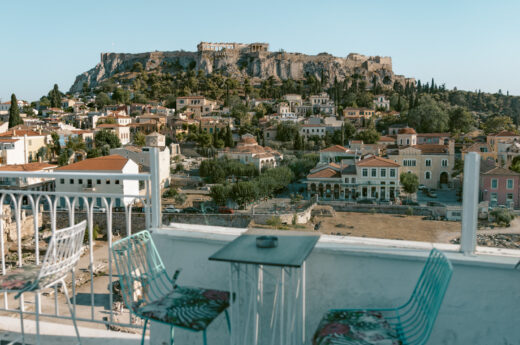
141,156
122,132
248,151
309,130
113,164
380,102
12,151
30,183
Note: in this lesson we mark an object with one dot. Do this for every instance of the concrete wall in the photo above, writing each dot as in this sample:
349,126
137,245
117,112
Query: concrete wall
480,307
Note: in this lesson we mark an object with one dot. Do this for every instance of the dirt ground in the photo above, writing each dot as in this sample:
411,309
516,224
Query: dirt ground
397,227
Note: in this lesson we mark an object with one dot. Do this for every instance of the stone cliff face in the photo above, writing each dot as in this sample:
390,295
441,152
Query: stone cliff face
255,65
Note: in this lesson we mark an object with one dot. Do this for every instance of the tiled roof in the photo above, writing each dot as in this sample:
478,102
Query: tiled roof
375,161
504,134
35,166
501,171
407,131
20,133
8,140
387,138
106,163
432,148
325,173
335,148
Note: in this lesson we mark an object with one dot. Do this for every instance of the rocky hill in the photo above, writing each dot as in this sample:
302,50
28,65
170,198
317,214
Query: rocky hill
246,60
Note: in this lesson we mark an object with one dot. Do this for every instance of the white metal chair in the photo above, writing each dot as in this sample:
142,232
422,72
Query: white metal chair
63,253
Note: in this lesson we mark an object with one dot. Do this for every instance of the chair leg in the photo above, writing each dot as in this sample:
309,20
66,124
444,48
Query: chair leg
144,331
37,316
171,335
204,337
227,320
21,320
73,315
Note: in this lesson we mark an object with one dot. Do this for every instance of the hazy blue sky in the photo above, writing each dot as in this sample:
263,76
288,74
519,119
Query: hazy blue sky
467,44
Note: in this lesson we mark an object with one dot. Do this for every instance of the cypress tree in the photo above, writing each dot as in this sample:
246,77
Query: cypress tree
55,97
14,113
229,137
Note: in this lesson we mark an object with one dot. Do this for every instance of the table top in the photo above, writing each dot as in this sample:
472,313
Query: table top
292,250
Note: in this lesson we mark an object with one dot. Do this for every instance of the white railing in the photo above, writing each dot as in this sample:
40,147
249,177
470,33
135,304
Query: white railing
45,203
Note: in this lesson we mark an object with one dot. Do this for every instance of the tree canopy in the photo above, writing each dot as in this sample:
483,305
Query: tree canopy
14,113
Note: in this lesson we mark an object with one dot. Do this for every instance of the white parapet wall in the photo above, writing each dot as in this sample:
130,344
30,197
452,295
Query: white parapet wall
480,307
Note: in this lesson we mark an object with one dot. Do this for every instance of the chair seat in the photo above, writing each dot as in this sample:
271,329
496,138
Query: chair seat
187,307
19,278
355,327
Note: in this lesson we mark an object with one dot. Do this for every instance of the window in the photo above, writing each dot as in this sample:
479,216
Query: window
98,181
80,181
62,181
346,179
444,163
383,172
353,180
392,172
494,196
373,173
428,163
365,172
89,182
428,175
117,182
409,162
494,183
71,181
107,181
509,196
509,184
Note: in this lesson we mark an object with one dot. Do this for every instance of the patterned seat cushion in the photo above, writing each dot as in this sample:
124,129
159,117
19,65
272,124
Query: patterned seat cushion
19,278
355,327
192,308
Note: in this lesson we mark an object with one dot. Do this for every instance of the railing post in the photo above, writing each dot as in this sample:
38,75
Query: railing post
155,188
468,239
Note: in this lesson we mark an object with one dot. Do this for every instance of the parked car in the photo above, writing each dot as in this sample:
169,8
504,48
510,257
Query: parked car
61,208
409,202
99,209
210,209
225,210
366,202
171,209
191,210
421,187
432,193
435,204
385,202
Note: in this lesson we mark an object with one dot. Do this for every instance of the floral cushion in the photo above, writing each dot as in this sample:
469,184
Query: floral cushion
355,327
19,278
192,308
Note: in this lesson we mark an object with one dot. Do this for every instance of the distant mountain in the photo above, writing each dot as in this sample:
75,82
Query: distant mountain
253,61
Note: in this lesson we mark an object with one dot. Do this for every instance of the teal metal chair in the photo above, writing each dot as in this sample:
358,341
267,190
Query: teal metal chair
409,324
151,294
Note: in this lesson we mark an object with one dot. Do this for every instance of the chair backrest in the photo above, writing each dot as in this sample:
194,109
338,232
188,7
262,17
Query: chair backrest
141,272
63,253
418,315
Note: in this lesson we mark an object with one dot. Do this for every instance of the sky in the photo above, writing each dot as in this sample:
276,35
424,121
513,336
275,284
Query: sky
466,44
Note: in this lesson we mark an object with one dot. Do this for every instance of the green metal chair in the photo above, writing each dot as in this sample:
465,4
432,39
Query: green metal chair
409,324
149,293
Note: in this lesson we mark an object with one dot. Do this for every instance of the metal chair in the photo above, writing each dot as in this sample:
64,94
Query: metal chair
409,324
63,253
149,293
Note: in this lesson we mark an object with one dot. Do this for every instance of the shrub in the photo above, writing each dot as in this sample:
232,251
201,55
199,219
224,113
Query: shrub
409,211
503,216
95,233
275,222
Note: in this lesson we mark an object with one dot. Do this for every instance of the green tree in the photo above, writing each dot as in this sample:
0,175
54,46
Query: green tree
55,97
102,99
139,139
243,193
496,124
429,116
106,138
14,113
369,136
220,194
121,96
229,138
137,67
410,182
461,120
503,216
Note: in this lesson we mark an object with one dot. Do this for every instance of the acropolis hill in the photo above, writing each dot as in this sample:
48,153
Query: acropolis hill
241,60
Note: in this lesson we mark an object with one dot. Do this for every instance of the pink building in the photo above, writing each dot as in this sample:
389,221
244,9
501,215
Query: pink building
500,186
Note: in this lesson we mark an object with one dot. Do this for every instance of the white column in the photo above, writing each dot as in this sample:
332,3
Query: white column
468,240
155,188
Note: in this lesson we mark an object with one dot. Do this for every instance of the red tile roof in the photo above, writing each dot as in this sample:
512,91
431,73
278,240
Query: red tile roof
106,163
335,148
35,166
375,161
325,173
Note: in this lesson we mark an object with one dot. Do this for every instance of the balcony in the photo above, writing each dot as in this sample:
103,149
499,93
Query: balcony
480,306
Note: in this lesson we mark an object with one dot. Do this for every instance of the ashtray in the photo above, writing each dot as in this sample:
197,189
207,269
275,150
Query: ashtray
266,241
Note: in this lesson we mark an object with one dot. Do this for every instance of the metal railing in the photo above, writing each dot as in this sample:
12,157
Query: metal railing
46,205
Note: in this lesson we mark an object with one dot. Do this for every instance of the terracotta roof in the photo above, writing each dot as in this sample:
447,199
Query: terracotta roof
325,173
35,166
407,131
476,148
106,163
432,148
356,141
386,138
504,134
20,133
501,171
335,148
375,161
8,140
